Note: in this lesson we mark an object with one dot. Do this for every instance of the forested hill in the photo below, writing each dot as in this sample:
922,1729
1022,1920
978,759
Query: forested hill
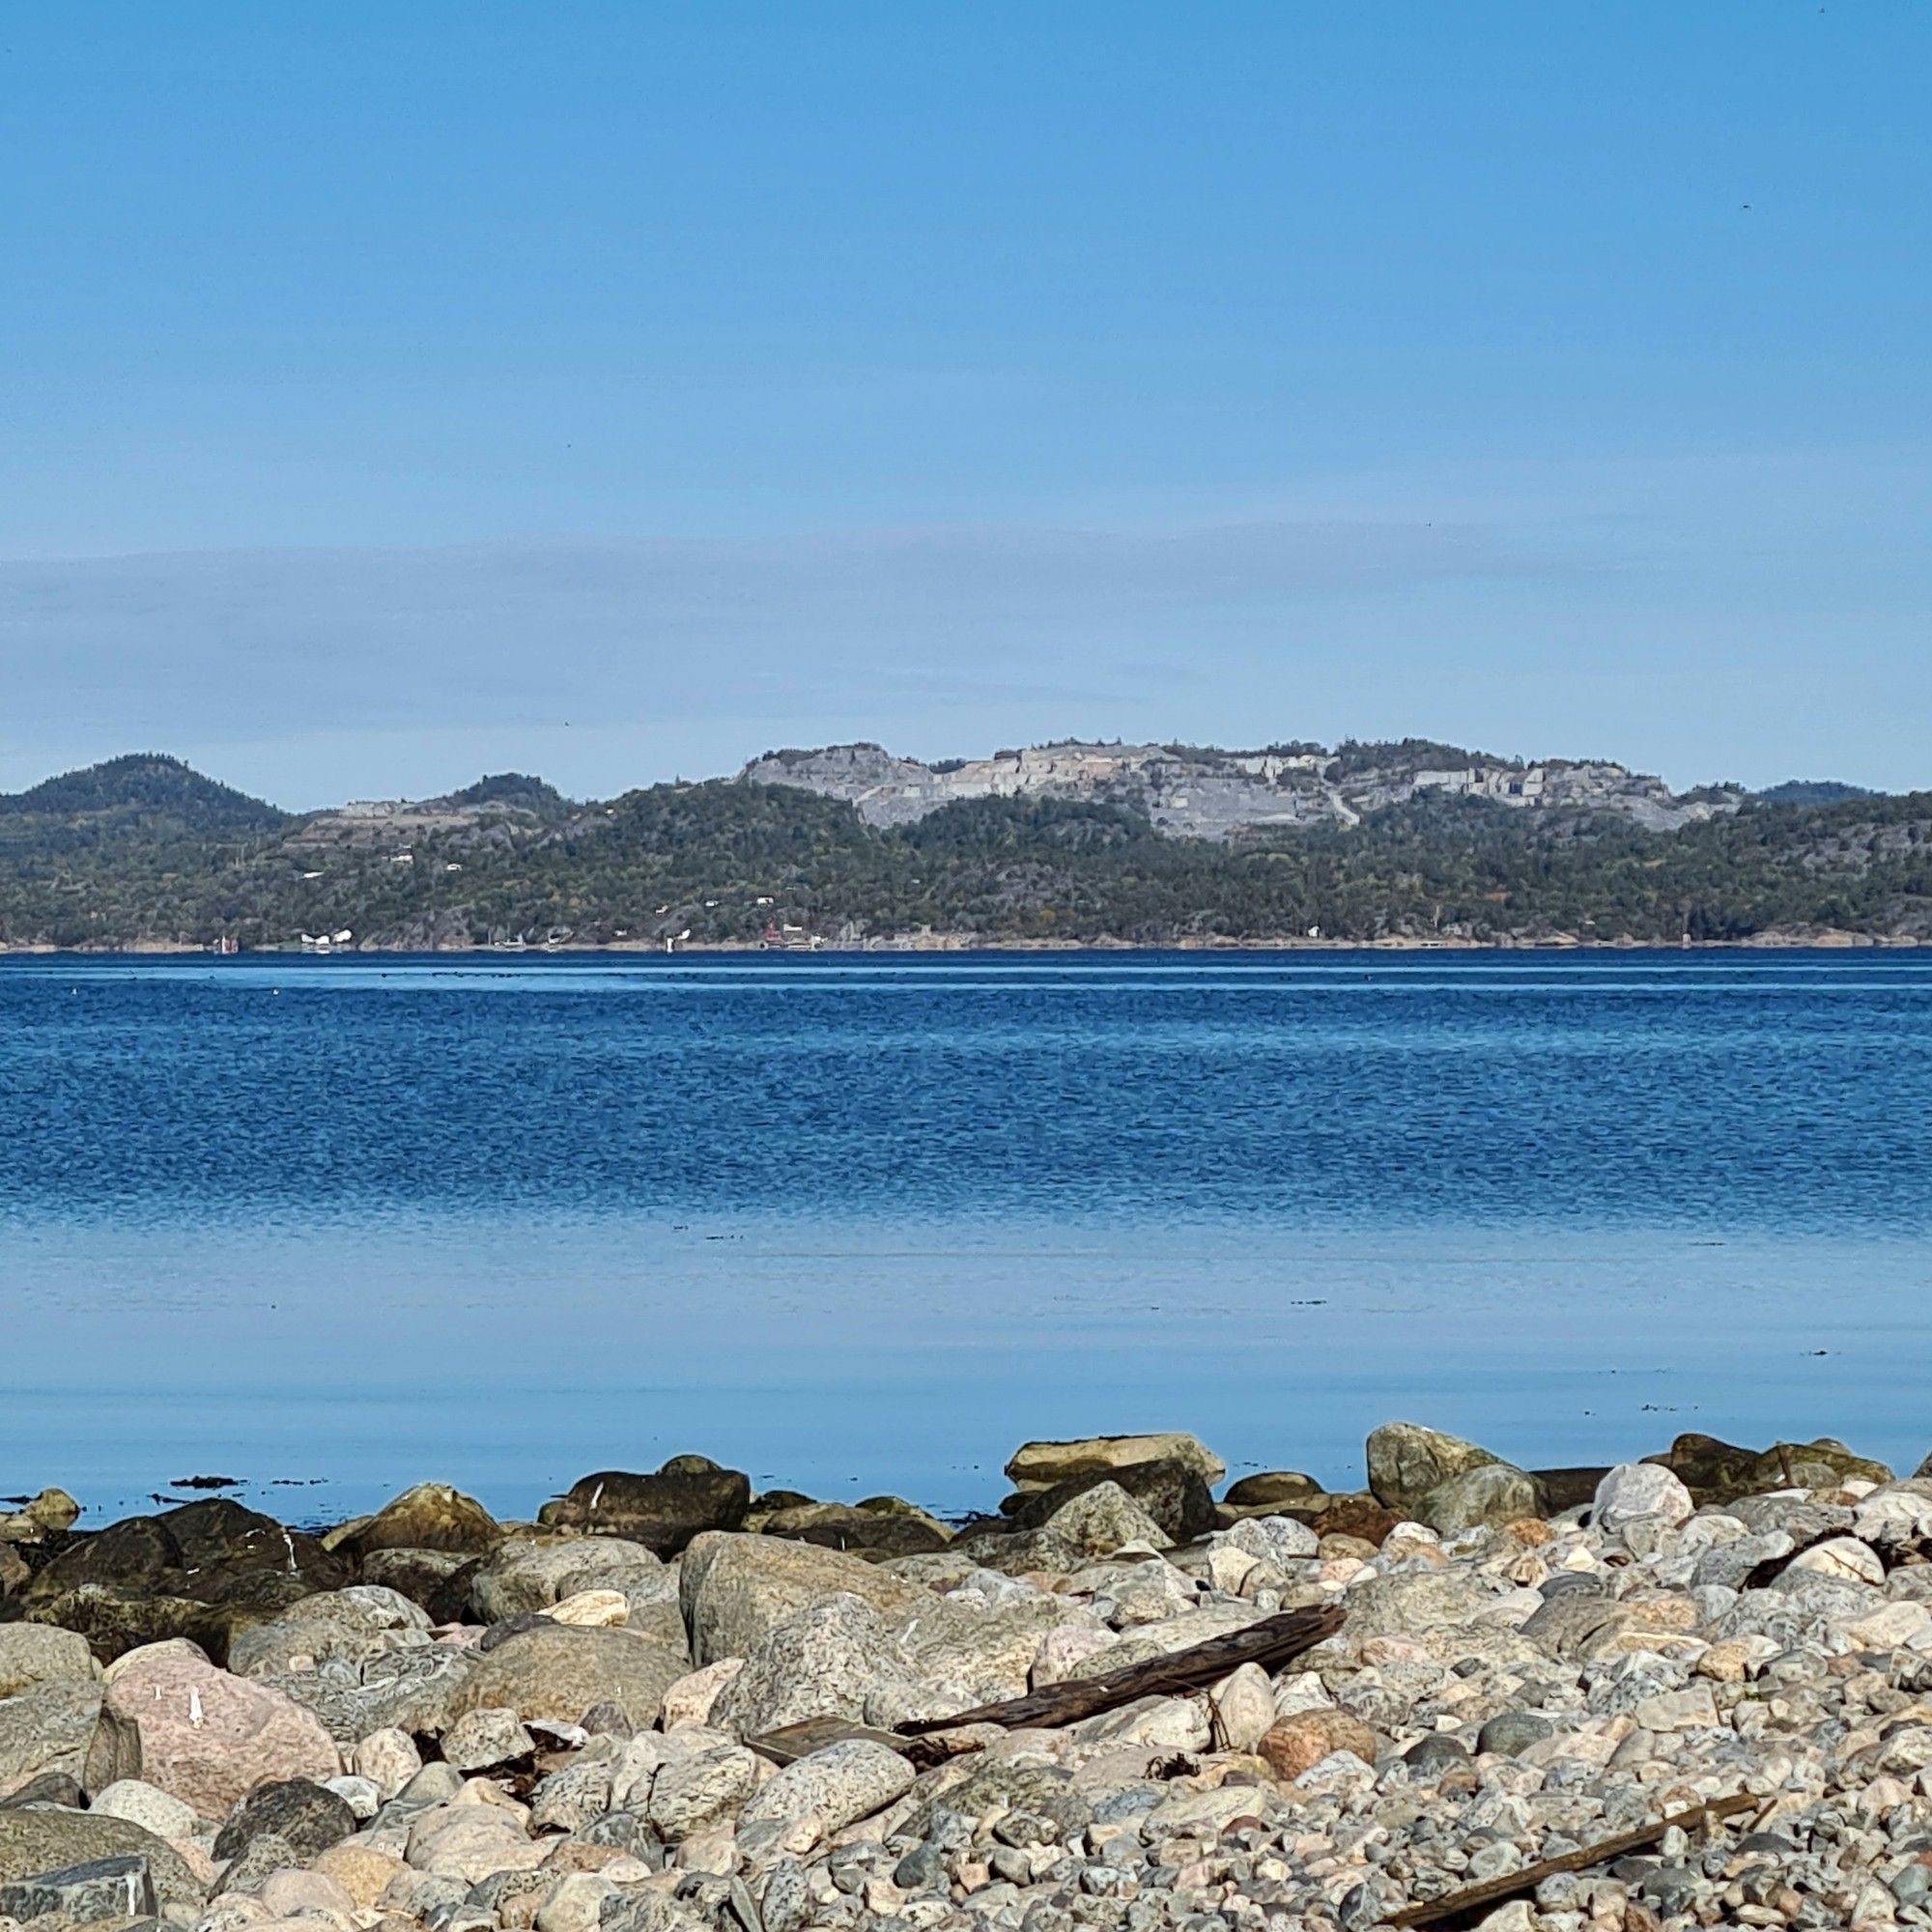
143,852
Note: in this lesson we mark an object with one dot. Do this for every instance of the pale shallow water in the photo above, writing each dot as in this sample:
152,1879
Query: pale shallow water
865,1223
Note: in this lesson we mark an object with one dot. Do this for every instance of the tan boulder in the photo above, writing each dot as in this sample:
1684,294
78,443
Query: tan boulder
1040,1466
1291,1745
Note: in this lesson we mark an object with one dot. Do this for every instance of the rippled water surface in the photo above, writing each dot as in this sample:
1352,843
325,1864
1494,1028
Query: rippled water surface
863,1223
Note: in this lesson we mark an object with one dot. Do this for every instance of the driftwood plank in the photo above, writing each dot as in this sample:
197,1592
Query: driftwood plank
792,1742
1270,1643
1495,1891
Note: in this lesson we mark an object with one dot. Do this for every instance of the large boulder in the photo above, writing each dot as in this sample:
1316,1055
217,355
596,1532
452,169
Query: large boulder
115,1621
832,1660
1171,1490
35,1653
663,1510
531,1573
431,1516
211,1738
557,1672
1715,1471
196,1571
1634,1491
305,1816
354,1625
232,1554
1407,1461
1486,1496
32,1842
38,1518
838,1787
56,1726
734,1588
1039,1466
411,1689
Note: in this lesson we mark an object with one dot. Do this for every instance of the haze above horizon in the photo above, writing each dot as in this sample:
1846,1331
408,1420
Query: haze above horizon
616,390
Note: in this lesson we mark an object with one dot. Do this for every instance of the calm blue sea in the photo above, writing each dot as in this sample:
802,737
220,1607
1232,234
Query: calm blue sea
864,1223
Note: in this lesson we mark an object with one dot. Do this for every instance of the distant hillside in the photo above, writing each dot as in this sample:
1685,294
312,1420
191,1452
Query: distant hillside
143,787
1417,843
1811,791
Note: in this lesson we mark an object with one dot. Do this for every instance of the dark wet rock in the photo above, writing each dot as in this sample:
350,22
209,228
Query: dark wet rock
131,1553
226,1551
257,1861
1565,1490
663,1510
420,1575
196,1571
1173,1491
1275,1488
515,1625
1513,1732
114,1621
306,1816
82,1894
1715,1471
869,1532
51,1787
1431,1758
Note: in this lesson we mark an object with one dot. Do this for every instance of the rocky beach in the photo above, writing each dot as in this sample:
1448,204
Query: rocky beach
1693,1690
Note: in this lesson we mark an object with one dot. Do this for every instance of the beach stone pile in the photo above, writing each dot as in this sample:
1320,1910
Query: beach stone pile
429,1719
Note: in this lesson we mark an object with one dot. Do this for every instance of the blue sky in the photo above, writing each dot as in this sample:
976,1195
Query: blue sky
388,393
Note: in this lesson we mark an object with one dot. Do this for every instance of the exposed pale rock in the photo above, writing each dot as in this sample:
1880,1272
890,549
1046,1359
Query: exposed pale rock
593,1609
1638,1489
1104,1519
362,1871
832,1660
306,1895
692,1698
388,1759
469,1842
1243,1708
145,1804
1843,1557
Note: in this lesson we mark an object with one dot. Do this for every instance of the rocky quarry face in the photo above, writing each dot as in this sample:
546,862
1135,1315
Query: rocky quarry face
672,1705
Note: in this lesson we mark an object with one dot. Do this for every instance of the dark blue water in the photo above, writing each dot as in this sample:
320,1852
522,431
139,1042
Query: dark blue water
864,1223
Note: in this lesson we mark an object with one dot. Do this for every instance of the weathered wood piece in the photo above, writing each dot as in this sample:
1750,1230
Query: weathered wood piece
1491,1893
1270,1643
792,1742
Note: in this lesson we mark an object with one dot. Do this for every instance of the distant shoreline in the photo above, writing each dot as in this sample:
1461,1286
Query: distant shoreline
1827,941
